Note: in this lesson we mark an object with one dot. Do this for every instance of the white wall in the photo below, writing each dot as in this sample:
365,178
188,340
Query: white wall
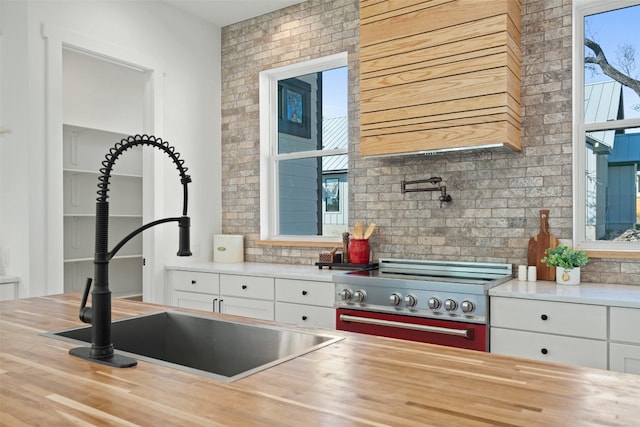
188,49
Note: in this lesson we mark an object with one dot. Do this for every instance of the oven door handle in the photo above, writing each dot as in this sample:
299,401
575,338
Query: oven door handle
464,333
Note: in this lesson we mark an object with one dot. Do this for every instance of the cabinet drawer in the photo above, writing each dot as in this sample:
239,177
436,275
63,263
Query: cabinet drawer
195,281
625,324
550,348
257,309
194,300
580,320
624,358
306,315
247,286
305,292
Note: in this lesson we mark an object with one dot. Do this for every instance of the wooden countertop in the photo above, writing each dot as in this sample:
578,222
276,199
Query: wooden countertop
359,381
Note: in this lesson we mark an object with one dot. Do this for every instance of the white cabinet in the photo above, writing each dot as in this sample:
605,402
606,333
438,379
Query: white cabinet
306,303
552,331
195,290
624,334
9,287
248,296
300,302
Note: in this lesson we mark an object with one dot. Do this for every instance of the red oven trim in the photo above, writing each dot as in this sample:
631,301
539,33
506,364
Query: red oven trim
472,336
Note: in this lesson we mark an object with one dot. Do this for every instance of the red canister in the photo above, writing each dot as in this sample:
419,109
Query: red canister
359,251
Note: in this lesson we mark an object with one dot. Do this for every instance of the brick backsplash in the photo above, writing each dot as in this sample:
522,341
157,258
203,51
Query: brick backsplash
496,195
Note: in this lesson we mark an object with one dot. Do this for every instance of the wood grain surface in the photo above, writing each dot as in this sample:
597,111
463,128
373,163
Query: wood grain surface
538,244
359,381
438,74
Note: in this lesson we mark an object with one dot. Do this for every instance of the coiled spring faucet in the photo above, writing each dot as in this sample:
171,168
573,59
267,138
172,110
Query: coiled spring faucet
99,315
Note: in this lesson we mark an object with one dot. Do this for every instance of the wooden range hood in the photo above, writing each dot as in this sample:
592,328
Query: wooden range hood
439,75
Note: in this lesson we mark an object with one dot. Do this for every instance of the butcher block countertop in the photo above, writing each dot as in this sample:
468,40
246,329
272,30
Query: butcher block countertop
358,381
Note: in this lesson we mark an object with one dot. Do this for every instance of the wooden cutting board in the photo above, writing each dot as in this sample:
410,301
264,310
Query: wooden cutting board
537,246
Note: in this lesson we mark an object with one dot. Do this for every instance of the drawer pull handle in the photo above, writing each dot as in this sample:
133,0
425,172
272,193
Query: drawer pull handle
193,282
544,351
304,292
244,286
304,317
544,317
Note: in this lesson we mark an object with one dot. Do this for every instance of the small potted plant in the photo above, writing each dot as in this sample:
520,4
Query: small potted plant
567,262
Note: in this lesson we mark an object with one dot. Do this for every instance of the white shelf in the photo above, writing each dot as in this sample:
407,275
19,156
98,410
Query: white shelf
119,133
79,232
97,173
112,259
92,215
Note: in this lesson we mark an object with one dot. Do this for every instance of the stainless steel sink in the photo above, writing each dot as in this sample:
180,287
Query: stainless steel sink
220,349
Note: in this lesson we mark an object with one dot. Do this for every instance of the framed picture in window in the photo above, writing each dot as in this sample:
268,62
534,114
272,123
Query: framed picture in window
294,108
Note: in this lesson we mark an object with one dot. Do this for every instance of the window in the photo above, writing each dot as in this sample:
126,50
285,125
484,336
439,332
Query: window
606,125
303,149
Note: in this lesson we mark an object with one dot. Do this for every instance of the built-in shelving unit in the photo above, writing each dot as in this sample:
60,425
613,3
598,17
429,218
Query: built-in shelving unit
103,103
84,150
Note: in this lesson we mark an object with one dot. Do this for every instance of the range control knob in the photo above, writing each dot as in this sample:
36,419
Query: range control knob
410,300
345,295
450,305
395,298
434,303
467,306
359,295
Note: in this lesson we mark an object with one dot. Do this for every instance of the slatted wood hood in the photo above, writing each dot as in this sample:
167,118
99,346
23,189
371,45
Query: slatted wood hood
439,75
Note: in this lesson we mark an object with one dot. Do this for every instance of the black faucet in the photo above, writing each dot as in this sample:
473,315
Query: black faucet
99,315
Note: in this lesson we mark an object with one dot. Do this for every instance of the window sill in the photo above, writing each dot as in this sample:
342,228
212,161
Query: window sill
299,243
613,254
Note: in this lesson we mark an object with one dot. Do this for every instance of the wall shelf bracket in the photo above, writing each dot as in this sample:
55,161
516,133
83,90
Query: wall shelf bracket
435,180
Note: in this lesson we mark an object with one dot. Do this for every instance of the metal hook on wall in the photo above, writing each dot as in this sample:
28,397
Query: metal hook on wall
444,197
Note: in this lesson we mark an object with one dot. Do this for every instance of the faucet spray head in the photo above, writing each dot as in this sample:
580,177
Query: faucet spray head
184,242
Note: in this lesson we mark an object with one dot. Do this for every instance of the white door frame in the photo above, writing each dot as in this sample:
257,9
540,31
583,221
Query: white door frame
56,39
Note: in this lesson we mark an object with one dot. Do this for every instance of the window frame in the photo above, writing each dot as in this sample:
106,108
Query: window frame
600,248
268,102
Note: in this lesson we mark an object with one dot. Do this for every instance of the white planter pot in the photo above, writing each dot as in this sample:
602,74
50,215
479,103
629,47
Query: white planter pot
568,276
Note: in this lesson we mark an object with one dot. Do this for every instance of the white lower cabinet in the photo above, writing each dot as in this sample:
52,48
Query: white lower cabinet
552,348
624,348
552,331
247,296
306,303
195,290
599,336
299,302
194,301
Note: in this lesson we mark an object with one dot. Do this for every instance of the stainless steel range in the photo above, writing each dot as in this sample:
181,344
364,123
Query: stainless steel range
440,302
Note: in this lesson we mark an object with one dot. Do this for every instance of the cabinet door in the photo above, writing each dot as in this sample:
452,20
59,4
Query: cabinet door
579,320
247,286
192,281
305,292
193,300
625,325
306,315
624,358
257,309
8,291
550,348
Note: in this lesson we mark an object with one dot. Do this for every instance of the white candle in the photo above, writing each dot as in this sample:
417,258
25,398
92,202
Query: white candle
532,273
522,272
